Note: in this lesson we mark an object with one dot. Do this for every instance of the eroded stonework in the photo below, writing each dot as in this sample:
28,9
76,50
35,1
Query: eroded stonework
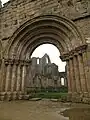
45,75
26,24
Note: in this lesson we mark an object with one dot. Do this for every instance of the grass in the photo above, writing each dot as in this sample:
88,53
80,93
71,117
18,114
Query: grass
50,95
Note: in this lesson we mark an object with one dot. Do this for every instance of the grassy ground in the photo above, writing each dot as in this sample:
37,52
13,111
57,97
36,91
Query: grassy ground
49,95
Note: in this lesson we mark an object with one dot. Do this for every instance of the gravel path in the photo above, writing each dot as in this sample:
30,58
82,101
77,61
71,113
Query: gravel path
31,110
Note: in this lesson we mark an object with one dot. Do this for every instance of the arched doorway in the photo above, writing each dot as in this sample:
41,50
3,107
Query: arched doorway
46,69
52,29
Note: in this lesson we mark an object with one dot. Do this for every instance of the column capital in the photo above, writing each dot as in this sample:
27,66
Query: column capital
78,50
27,62
16,61
81,48
8,61
65,57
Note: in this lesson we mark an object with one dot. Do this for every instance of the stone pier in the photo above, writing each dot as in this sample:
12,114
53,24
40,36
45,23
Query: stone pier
77,73
15,77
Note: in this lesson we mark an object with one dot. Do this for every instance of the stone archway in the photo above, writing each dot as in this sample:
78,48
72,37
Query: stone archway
52,29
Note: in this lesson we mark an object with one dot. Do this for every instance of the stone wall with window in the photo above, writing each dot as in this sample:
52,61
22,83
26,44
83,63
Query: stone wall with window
45,74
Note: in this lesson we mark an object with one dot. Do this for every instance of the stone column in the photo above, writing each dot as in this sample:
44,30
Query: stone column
14,78
88,65
3,76
77,77
68,77
82,73
59,82
8,81
72,76
65,82
84,55
18,78
3,80
23,78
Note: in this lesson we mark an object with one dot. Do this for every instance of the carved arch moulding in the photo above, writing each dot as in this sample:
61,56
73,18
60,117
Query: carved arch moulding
53,29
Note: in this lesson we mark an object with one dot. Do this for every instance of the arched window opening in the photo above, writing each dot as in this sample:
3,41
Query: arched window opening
49,67
47,60
48,49
62,81
38,61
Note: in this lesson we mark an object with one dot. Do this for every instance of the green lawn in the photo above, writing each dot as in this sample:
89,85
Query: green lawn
49,95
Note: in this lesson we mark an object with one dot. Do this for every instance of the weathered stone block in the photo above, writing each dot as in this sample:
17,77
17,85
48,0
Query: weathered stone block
26,97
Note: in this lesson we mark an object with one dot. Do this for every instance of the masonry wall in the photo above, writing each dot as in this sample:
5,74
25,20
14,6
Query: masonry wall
15,12
84,26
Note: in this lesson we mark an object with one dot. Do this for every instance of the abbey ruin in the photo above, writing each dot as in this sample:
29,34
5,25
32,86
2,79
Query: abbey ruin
45,75
26,24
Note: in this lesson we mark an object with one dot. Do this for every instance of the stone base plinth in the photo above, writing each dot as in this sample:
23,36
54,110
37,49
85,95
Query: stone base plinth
2,96
20,95
86,95
14,96
69,97
8,96
78,98
86,100
11,96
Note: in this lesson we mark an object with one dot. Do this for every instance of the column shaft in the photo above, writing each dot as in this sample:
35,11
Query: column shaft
82,73
88,66
77,77
18,78
69,78
72,76
14,78
59,82
8,81
65,82
3,77
23,78
86,71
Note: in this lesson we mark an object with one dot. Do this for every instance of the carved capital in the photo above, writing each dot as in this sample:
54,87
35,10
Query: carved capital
75,52
8,61
11,61
27,62
64,57
81,49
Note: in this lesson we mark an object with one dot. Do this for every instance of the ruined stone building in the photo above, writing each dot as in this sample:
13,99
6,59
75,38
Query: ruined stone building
26,24
44,74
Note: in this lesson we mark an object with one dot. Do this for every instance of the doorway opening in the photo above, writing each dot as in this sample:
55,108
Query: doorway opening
46,70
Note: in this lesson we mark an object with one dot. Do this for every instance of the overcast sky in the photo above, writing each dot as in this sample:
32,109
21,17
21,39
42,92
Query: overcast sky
3,1
51,50
53,53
